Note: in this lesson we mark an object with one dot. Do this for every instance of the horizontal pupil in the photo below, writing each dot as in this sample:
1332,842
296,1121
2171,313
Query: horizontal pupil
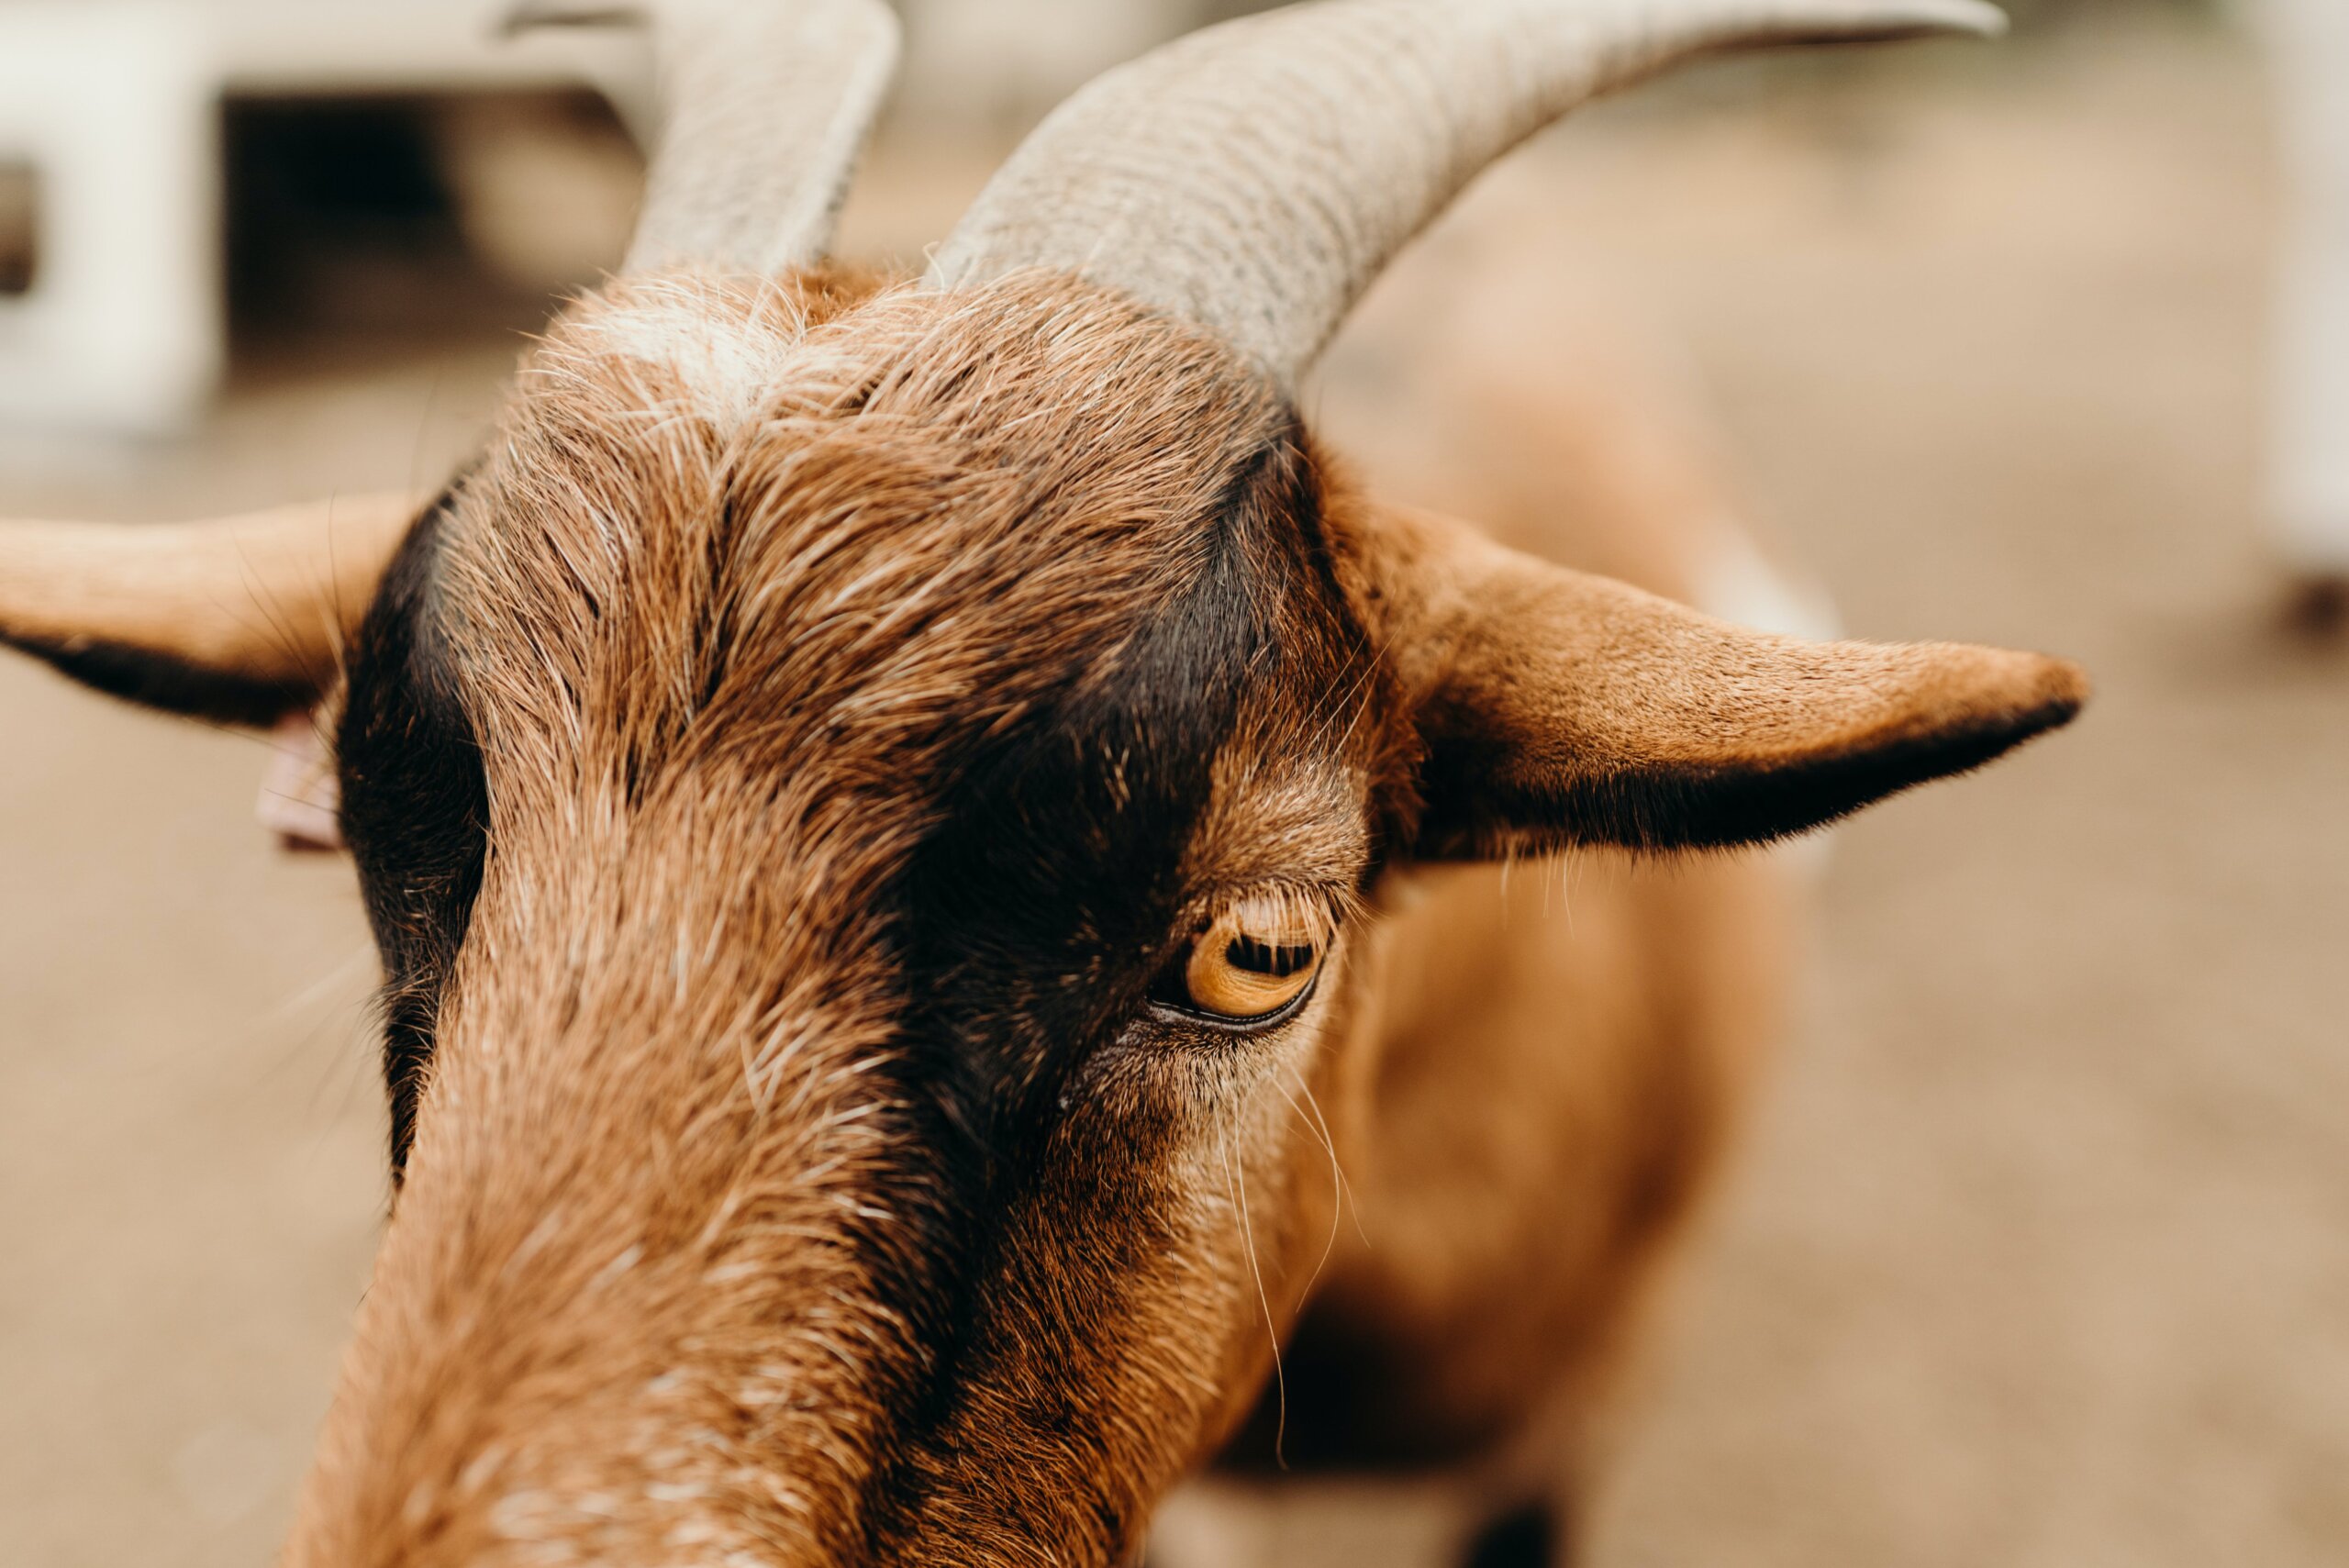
1262,957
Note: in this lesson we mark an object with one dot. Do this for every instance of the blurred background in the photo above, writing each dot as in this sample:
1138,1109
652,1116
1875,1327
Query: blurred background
2038,1252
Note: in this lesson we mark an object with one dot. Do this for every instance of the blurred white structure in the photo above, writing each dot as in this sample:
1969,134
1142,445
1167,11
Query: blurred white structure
2309,452
112,105
109,107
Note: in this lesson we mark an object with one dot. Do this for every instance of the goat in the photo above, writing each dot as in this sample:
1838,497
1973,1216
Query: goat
914,827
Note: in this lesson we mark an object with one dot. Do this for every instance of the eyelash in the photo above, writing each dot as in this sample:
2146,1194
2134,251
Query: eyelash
1246,952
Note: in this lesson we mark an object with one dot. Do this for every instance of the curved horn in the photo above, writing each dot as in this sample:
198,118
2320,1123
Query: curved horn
765,107
1256,177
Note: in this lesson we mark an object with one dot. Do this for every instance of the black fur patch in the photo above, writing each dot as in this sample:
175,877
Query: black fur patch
1039,910
415,812
169,683
1522,1538
1047,893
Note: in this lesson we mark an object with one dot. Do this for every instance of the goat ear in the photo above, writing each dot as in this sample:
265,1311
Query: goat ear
1557,709
240,620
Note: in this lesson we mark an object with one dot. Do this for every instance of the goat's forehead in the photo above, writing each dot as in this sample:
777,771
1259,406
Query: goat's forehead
657,406
925,500
730,354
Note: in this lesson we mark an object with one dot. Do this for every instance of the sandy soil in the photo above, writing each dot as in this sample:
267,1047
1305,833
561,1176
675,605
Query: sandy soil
2038,1253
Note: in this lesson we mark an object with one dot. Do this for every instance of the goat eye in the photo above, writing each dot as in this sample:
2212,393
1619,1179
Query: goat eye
1251,964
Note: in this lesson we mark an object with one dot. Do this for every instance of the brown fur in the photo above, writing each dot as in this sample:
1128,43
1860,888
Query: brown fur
874,690
683,921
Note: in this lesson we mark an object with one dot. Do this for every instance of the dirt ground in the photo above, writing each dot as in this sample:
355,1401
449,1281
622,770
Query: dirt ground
2040,1253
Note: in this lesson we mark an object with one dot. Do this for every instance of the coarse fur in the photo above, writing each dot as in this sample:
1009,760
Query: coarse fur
841,811
802,1171
786,775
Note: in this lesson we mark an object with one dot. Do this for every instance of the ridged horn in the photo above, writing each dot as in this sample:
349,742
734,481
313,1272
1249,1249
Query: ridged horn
1256,177
765,107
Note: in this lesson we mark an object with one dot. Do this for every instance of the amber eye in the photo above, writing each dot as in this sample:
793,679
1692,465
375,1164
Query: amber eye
1256,960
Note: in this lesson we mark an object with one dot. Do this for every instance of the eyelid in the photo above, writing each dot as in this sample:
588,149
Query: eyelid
1262,1023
